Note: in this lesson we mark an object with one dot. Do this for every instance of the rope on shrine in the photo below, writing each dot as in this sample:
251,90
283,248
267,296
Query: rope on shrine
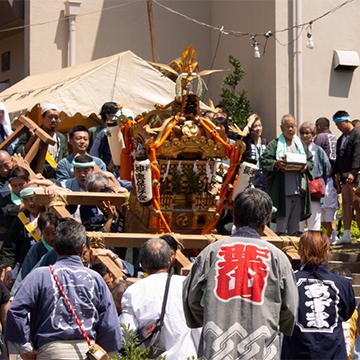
211,238
97,239
234,154
155,172
60,199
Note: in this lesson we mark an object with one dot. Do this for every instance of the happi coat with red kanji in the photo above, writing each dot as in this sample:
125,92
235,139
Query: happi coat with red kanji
242,291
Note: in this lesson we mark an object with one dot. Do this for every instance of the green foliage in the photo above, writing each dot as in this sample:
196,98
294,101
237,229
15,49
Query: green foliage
131,350
194,183
237,102
354,230
176,183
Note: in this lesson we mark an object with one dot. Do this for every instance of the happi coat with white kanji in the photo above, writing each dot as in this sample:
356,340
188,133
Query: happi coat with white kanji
325,301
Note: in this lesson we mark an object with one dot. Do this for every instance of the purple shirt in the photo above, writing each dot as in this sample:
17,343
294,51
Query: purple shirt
327,141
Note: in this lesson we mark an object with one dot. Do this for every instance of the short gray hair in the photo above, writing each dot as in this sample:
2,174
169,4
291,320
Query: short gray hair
96,180
253,208
120,287
286,118
155,254
308,124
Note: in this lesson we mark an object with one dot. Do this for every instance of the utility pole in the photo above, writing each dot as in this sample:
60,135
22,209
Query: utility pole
152,32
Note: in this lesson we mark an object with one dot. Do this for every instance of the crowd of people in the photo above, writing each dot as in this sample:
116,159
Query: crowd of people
240,298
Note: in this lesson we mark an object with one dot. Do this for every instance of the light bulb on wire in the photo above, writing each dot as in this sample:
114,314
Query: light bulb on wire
256,50
310,42
256,47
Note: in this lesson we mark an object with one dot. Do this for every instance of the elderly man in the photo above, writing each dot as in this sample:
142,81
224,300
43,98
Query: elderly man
142,301
289,190
52,332
50,115
79,141
346,168
242,289
83,167
118,292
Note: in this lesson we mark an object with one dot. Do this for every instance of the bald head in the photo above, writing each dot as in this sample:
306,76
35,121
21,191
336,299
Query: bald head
155,255
4,154
6,164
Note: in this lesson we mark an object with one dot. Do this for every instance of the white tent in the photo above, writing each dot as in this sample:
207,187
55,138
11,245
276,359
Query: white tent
124,78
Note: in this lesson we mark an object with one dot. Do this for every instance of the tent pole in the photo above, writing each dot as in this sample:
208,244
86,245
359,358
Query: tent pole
152,33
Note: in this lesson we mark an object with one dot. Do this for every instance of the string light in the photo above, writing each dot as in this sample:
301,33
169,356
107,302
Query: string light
256,48
310,42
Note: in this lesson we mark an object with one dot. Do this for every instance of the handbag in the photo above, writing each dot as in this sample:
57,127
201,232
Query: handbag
95,352
317,188
151,336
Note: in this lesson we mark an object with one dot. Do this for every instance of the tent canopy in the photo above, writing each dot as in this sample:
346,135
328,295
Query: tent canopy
124,78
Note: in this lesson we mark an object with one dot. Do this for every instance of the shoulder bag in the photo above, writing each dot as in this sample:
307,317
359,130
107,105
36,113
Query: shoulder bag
151,336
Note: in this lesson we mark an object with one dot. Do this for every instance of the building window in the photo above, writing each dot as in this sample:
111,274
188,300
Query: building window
5,61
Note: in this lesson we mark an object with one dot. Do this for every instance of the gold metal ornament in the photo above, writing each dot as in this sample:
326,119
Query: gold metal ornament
216,216
121,120
190,129
182,220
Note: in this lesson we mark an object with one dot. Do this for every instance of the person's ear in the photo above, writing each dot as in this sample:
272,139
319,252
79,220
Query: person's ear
81,252
169,264
141,264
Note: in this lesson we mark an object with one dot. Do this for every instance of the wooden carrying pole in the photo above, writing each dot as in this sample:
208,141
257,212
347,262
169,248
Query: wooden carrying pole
39,147
136,240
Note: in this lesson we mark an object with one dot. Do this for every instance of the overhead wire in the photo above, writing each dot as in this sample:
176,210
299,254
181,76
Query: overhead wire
241,33
65,18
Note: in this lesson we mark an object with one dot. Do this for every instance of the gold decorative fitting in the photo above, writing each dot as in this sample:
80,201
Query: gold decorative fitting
182,220
216,216
190,129
155,182
230,187
121,120
241,145
157,213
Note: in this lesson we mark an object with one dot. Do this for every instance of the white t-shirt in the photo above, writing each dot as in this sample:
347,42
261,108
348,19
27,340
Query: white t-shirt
142,303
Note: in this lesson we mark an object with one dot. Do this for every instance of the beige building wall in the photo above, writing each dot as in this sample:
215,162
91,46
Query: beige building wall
107,27
324,90
259,81
14,44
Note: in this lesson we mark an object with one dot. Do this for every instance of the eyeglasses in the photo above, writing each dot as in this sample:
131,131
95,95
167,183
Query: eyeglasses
52,116
305,132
